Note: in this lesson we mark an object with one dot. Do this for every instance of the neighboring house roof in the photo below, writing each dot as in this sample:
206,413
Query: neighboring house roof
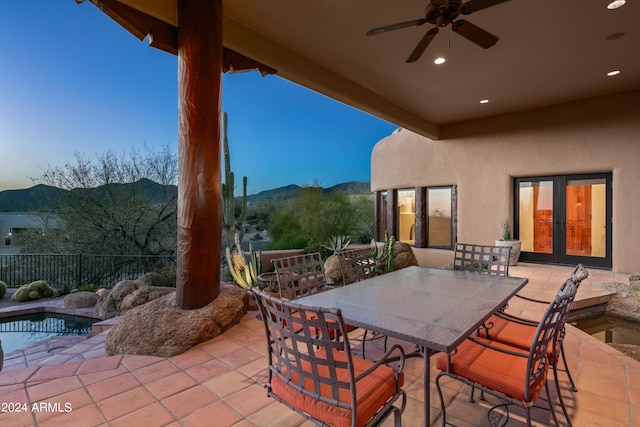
16,220
548,53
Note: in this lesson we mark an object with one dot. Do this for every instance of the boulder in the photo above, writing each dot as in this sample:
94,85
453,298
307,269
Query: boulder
403,256
161,328
332,270
80,300
143,295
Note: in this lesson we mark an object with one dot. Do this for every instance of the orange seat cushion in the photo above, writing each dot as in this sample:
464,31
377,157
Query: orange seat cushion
498,371
372,392
515,334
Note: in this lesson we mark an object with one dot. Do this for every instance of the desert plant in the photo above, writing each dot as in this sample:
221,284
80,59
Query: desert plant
244,271
3,289
506,230
384,256
33,291
230,223
65,290
88,288
337,243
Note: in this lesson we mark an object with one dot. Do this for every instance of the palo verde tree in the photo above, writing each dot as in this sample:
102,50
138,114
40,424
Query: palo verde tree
115,203
231,222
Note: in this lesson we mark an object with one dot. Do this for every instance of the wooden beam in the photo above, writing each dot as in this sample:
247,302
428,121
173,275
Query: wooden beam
199,186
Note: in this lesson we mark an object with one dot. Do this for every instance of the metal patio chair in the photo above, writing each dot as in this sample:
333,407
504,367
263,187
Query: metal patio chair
357,265
485,259
318,377
518,332
300,275
514,375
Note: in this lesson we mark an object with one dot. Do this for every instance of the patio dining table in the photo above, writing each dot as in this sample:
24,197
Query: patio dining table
432,308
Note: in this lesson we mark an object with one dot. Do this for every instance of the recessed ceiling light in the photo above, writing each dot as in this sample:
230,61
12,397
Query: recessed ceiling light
616,36
484,101
439,61
615,4
613,73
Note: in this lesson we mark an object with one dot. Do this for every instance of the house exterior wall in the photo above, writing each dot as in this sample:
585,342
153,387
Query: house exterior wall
483,157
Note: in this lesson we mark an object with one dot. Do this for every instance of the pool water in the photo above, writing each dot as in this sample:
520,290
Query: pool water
610,329
21,331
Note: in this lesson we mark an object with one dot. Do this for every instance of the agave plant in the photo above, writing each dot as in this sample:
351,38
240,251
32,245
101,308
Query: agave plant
384,256
244,271
337,243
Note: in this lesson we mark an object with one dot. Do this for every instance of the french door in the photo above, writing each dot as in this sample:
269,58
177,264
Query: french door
564,219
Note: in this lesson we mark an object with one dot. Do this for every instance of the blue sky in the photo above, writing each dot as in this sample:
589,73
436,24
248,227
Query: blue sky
72,80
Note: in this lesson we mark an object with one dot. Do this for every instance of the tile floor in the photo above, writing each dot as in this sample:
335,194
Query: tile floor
221,382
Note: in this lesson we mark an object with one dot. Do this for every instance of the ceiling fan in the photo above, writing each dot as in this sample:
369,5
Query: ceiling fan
442,13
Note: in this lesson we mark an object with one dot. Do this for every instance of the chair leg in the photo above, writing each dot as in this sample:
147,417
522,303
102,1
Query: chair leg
566,367
550,403
560,399
443,410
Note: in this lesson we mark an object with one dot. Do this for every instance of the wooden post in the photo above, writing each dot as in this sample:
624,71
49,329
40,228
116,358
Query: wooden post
199,186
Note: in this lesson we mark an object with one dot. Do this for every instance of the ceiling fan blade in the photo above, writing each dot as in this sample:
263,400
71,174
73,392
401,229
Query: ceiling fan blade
422,45
474,33
476,5
399,25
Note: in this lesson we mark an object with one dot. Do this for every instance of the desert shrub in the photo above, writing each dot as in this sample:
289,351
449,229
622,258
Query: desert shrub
165,276
88,288
3,289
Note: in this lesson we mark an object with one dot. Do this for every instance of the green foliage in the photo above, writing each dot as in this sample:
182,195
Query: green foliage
384,257
313,217
165,276
3,289
337,243
65,290
244,271
88,288
33,291
506,230
111,204
230,223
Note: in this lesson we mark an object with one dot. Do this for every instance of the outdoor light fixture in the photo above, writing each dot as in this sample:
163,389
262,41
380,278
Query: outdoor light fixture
439,61
613,73
615,4
484,101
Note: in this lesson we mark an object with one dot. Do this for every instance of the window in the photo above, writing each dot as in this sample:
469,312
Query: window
424,217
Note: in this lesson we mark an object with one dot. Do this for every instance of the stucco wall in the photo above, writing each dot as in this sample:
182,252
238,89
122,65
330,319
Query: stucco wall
483,157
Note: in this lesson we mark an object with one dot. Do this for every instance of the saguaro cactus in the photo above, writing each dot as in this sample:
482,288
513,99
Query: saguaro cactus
230,223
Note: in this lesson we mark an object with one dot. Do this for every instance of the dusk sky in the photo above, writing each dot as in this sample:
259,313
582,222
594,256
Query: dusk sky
72,80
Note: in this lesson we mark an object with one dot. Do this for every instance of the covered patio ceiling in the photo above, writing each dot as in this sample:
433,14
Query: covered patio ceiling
549,52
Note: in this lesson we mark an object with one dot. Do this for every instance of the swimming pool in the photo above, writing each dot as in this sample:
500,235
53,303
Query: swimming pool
610,329
21,331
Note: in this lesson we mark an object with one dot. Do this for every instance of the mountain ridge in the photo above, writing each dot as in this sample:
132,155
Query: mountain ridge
33,199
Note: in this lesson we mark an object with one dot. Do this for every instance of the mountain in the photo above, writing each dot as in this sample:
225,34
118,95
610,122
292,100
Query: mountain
290,191
36,198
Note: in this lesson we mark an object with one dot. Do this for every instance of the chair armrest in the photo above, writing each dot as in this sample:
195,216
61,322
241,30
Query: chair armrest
505,348
387,357
539,301
515,319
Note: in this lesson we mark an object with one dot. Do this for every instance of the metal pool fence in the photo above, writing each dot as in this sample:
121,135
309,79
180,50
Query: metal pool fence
75,270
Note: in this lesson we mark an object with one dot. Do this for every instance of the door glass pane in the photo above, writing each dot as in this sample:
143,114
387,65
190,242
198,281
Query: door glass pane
536,216
585,216
439,201
407,216
382,216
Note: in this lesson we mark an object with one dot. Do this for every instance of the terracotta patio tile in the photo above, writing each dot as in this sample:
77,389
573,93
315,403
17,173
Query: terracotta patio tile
133,361
614,411
148,416
191,358
111,386
218,411
228,383
16,377
86,416
10,419
55,371
93,377
71,401
240,358
50,389
277,415
256,370
188,401
149,373
101,364
220,347
208,370
249,400
125,403
170,385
